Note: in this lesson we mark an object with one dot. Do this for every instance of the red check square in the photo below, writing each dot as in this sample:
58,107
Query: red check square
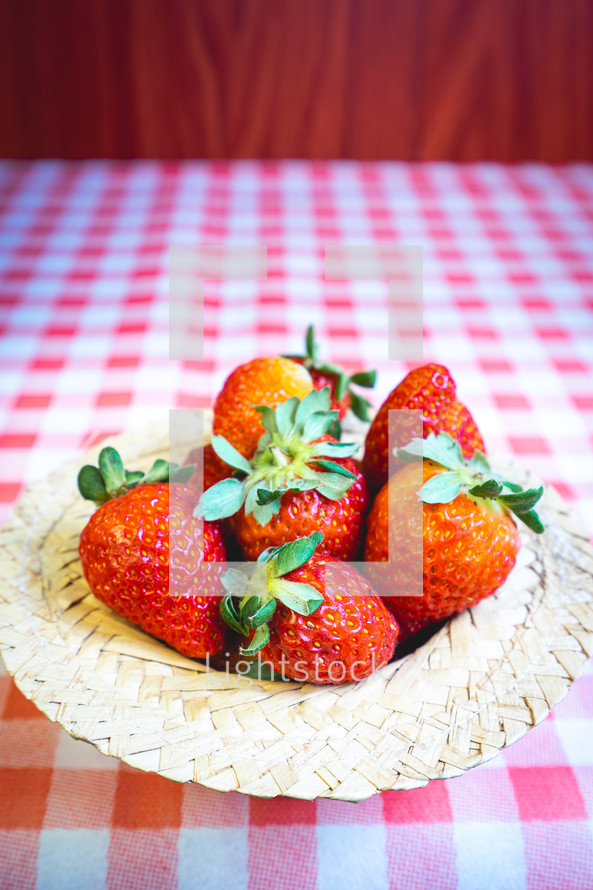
512,401
40,400
9,491
145,800
17,707
428,804
529,445
23,796
281,811
110,399
495,365
80,798
17,440
547,794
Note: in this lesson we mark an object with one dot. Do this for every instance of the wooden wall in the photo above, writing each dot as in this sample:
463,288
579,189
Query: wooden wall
410,79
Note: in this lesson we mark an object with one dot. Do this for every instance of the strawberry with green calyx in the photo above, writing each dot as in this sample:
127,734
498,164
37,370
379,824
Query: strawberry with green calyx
431,390
340,382
469,537
300,629
145,555
262,381
474,478
300,480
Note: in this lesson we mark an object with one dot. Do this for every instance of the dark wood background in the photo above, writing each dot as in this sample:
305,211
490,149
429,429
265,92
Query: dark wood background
396,79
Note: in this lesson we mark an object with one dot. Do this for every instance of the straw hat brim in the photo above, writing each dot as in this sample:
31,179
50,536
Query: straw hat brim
476,686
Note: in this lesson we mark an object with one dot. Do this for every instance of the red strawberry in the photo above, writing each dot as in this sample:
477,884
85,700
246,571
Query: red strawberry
290,488
302,630
126,547
469,538
263,381
339,381
431,390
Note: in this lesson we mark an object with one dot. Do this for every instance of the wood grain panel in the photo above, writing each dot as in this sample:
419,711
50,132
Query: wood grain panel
402,79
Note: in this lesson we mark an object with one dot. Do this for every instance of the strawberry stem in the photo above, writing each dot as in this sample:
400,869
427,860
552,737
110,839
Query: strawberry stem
343,381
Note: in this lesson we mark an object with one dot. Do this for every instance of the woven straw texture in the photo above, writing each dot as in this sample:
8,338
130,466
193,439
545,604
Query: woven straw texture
475,687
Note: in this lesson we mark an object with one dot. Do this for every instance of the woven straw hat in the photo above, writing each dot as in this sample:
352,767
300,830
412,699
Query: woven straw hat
483,680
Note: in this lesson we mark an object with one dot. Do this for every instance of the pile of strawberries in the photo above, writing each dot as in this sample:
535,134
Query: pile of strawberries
278,489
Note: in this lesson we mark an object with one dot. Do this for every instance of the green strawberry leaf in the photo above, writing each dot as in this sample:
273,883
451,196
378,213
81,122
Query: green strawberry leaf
303,484
229,454
286,416
300,598
254,614
413,451
221,500
488,489
333,485
294,554
317,424
479,463
263,671
268,418
440,489
266,497
180,475
523,501
265,513
512,486
112,469
335,449
257,642
134,476
230,615
442,449
309,405
329,368
331,467
342,384
159,472
310,344
532,521
234,582
335,430
91,485
364,378
360,406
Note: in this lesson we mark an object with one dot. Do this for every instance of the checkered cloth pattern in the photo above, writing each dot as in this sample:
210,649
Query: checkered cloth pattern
508,290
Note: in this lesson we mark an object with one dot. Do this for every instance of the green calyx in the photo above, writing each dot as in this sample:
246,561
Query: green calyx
359,405
288,458
473,478
254,591
110,479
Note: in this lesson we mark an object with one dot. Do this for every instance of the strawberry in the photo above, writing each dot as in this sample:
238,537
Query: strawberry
469,537
339,381
431,390
263,381
128,543
210,469
302,630
290,488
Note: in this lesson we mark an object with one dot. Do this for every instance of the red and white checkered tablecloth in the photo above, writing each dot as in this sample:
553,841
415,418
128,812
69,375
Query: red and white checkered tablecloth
508,290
